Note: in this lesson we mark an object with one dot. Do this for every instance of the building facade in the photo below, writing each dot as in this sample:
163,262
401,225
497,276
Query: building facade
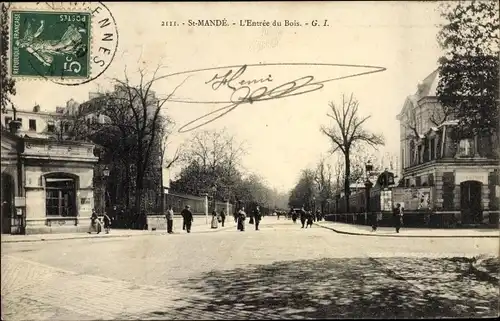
459,174
47,183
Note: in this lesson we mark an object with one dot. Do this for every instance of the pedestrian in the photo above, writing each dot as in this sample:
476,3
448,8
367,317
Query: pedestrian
107,222
318,215
398,217
170,220
303,216
374,219
310,219
215,221
294,216
278,214
183,220
235,215
222,217
94,226
241,219
257,217
187,218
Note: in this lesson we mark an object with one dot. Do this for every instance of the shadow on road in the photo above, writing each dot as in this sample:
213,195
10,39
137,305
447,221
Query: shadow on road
339,288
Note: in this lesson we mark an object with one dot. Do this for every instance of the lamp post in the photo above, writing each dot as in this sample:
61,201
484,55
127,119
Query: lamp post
368,186
314,208
105,174
214,190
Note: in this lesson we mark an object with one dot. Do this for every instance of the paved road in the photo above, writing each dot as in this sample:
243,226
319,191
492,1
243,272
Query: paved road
279,272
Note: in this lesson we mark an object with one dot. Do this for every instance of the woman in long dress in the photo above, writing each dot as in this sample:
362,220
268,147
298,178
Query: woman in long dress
215,222
241,219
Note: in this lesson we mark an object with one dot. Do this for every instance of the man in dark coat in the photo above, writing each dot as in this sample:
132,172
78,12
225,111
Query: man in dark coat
222,217
398,217
187,218
257,217
303,216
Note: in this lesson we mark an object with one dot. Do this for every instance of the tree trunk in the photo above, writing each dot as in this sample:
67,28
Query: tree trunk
346,179
127,185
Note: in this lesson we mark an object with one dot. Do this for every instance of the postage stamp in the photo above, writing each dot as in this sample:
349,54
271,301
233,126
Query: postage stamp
50,44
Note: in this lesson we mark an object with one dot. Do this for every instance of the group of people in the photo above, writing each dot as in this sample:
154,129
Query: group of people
306,217
187,219
241,215
97,224
218,218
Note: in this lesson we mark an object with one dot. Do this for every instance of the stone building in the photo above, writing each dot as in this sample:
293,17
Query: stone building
459,174
47,184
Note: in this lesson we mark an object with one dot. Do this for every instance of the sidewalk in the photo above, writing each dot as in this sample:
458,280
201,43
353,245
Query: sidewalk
364,230
199,226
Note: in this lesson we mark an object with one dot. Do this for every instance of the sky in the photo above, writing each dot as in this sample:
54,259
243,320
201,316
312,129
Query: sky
282,135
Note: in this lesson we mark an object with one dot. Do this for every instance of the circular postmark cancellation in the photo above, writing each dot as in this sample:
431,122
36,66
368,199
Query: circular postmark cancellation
68,43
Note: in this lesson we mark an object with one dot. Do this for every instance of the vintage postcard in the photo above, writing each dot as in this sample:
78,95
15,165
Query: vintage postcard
249,160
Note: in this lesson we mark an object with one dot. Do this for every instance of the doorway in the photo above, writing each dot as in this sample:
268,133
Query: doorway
470,202
8,194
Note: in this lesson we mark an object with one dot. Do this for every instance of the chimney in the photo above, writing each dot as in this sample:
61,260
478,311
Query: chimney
36,109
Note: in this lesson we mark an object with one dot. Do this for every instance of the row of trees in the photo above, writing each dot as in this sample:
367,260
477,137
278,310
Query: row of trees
211,163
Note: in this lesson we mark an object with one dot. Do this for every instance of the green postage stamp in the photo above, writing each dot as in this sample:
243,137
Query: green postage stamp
50,44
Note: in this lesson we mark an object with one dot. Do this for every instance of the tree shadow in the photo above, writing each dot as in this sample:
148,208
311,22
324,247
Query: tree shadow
338,288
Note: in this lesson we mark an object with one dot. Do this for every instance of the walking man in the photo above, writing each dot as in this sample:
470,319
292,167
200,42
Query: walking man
398,217
170,219
302,216
258,216
222,217
187,217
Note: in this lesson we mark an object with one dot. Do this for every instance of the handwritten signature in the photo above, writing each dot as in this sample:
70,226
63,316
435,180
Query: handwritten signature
241,91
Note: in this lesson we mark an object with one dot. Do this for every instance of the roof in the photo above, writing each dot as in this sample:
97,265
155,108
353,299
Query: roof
425,88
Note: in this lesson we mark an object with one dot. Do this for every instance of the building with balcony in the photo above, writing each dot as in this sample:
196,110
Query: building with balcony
457,176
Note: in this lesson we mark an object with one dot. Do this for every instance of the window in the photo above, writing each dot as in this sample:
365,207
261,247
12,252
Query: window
66,127
465,148
407,182
419,159
418,181
60,197
32,124
433,148
51,127
7,120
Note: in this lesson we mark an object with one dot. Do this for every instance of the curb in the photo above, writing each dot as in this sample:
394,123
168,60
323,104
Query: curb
403,235
155,233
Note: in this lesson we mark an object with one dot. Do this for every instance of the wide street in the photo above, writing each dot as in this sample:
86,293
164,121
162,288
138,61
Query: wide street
279,272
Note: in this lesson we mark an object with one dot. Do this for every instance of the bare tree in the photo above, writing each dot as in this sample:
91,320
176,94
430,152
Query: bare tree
347,132
140,132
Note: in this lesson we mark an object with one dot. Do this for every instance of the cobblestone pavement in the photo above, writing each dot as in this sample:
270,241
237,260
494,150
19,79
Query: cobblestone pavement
279,272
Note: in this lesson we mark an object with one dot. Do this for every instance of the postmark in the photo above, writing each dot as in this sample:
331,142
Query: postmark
65,43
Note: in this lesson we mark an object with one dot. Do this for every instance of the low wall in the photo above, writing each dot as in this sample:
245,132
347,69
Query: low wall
415,219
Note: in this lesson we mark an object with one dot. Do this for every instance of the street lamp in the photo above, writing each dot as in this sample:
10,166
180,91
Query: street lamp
214,190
